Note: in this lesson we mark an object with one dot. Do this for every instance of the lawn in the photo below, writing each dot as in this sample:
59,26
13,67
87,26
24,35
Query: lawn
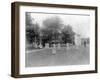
63,56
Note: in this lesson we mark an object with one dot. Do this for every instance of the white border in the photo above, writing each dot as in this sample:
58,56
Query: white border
36,70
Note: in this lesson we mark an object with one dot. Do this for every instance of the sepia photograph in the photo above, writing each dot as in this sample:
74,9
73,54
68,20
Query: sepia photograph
57,39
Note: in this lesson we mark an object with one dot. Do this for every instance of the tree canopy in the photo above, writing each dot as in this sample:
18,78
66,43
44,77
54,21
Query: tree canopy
53,29
52,26
32,30
68,34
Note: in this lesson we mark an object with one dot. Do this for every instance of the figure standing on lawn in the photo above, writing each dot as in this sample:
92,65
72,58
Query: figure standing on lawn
54,49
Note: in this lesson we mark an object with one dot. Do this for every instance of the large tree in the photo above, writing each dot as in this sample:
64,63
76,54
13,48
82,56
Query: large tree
68,34
52,27
32,29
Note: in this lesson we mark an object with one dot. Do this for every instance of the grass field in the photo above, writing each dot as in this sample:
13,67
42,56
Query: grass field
63,56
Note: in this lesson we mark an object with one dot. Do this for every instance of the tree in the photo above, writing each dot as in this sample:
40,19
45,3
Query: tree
68,34
53,23
32,30
51,29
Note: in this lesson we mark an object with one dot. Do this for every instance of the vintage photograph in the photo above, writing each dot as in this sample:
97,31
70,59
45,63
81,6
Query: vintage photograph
55,39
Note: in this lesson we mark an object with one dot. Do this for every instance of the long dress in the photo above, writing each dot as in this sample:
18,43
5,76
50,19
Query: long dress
54,49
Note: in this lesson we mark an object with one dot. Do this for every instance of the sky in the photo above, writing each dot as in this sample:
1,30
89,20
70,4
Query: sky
79,23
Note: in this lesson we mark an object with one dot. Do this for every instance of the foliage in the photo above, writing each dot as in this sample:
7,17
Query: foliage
32,30
53,30
68,34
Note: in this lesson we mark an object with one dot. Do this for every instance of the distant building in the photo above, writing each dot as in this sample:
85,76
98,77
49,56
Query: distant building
85,40
77,39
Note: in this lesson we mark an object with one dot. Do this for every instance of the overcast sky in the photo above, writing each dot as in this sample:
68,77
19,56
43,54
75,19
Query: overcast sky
79,23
